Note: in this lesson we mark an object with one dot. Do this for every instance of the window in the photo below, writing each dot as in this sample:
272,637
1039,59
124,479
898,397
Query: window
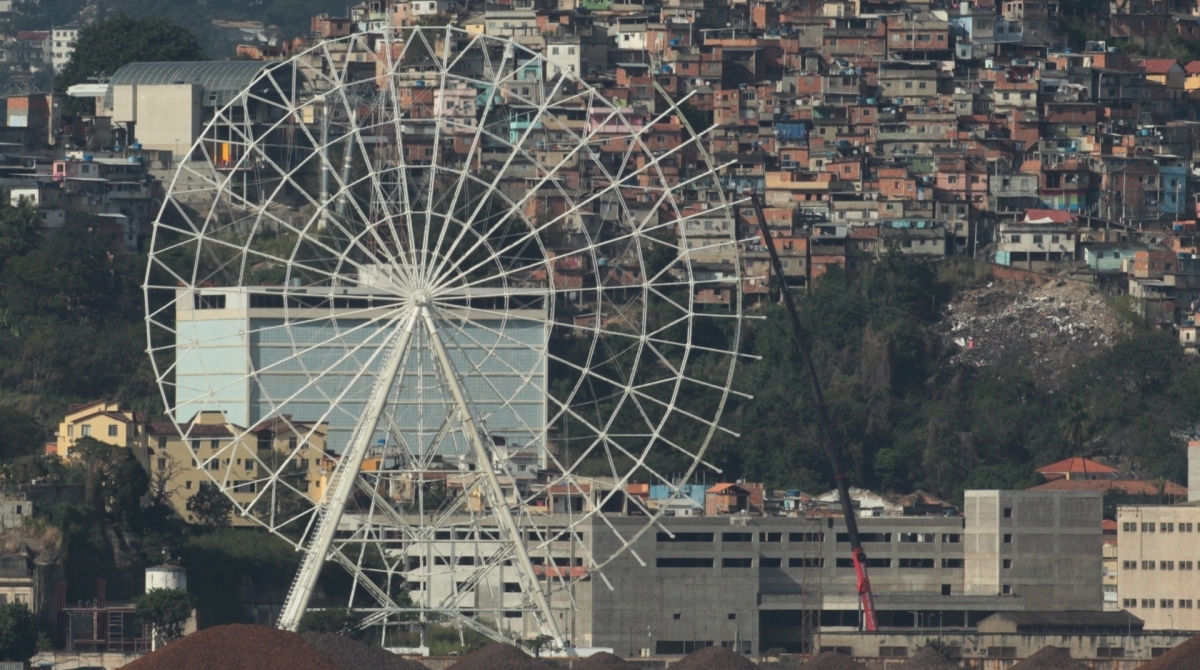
1166,565
945,588
770,562
1007,512
1129,602
1110,652
737,562
249,465
806,537
1166,527
112,431
1007,564
1147,527
893,652
292,443
1037,239
871,563
866,537
1006,589
85,430
686,537
917,537
736,537
1014,239
952,562
951,538
162,464
916,562
684,562
1129,565
1147,565
1166,603
770,537
214,444
807,563
1185,565
1127,526
677,616
1008,538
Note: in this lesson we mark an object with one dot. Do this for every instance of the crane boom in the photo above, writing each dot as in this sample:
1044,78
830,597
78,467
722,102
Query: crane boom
859,556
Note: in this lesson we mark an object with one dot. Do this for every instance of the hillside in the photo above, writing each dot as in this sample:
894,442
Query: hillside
1046,328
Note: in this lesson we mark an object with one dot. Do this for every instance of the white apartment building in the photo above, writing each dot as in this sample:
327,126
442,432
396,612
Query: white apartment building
1159,579
62,45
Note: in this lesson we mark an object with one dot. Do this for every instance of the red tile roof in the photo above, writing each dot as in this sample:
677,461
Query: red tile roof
1077,466
1192,67
1137,487
1158,65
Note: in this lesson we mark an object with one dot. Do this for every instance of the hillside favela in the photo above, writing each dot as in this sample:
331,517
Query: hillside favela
600,335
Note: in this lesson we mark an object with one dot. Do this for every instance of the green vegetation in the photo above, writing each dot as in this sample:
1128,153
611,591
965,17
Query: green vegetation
911,419
210,507
167,611
18,632
336,620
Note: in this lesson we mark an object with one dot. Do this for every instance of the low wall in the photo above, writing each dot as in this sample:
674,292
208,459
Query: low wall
71,660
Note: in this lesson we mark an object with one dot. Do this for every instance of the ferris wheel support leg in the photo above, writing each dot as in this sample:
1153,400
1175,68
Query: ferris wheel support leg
329,511
483,460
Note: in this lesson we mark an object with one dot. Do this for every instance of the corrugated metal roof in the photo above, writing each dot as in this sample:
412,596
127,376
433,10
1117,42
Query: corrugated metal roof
224,79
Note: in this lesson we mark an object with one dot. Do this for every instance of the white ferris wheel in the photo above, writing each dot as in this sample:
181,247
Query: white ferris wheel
448,302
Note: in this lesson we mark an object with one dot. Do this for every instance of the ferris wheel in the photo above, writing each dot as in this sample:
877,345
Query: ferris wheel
451,312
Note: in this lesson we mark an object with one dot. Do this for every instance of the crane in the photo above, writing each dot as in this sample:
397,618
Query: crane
863,580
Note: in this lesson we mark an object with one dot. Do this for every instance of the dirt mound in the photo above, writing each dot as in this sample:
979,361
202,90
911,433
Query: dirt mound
236,647
1050,658
928,659
1184,657
830,660
1045,328
603,661
714,658
349,654
496,656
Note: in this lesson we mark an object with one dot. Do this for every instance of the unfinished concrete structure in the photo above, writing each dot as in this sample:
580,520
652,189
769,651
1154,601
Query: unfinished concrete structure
1044,546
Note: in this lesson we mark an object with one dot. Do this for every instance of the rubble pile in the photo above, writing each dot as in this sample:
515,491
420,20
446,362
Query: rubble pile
603,661
496,656
1184,657
714,658
351,654
1045,328
236,647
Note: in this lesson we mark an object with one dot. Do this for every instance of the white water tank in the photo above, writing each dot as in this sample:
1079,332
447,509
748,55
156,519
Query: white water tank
166,577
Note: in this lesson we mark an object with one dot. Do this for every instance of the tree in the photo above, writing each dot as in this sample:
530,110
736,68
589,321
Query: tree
166,611
336,620
18,632
102,48
20,230
539,643
20,434
210,507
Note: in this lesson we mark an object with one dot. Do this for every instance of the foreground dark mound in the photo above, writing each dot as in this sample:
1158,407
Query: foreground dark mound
236,647
1050,658
603,661
714,658
1184,657
495,656
928,659
350,654
832,661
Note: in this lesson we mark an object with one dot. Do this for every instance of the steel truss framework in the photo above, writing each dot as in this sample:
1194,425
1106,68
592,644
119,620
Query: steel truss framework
468,278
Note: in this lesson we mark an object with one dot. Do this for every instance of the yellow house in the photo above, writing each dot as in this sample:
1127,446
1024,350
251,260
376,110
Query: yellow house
1168,72
476,24
103,420
1191,81
241,461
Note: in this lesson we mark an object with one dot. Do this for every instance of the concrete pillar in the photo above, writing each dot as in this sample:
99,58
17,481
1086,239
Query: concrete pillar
1193,480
